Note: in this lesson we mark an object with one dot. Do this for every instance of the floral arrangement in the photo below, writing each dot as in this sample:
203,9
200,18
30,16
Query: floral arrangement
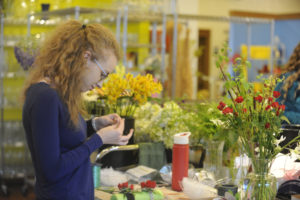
206,122
125,93
124,187
148,185
146,191
255,116
159,123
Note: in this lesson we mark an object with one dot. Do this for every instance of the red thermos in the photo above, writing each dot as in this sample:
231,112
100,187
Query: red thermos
180,162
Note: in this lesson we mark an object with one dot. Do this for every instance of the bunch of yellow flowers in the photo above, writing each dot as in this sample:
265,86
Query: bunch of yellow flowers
139,87
135,90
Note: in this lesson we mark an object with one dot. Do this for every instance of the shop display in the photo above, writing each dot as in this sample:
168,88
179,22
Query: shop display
245,124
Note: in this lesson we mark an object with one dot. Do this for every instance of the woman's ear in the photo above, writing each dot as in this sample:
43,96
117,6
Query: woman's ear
87,55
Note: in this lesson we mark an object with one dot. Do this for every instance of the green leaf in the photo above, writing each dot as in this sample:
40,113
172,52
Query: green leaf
218,64
238,60
284,118
248,64
221,58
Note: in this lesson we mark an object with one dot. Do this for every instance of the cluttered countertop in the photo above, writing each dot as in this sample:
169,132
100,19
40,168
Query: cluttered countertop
179,180
158,189
199,185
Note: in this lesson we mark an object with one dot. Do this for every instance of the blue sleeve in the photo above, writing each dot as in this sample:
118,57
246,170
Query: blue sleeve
294,117
46,141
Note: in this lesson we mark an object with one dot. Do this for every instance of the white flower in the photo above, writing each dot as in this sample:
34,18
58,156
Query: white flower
277,142
295,153
210,110
217,122
258,150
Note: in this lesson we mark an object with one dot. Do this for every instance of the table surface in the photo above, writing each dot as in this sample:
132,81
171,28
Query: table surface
168,193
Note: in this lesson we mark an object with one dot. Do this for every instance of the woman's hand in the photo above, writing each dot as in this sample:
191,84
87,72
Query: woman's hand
114,134
106,120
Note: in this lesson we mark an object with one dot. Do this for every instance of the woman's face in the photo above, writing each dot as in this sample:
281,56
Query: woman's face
97,70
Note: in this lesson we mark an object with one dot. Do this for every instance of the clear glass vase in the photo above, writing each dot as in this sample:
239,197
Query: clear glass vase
214,157
260,184
260,187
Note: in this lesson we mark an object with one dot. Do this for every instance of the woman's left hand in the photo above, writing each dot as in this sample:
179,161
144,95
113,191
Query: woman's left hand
106,120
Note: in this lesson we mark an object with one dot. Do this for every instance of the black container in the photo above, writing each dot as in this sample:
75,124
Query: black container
121,159
129,124
222,189
45,7
290,131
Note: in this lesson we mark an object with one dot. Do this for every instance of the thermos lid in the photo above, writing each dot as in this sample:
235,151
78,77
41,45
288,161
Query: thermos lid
182,138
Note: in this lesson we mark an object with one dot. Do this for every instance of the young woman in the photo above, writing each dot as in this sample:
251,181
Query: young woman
290,87
73,60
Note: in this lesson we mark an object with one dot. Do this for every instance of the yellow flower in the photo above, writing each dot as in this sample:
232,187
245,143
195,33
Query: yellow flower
138,89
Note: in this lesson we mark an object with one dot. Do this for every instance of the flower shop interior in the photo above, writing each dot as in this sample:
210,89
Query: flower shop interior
209,87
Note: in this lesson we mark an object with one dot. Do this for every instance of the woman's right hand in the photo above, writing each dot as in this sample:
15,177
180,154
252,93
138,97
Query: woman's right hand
114,134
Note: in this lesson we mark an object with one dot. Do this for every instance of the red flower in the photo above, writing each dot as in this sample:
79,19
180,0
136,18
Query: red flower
227,110
239,99
270,99
277,113
268,107
259,98
275,104
148,184
244,110
131,187
267,125
282,107
123,185
276,94
221,105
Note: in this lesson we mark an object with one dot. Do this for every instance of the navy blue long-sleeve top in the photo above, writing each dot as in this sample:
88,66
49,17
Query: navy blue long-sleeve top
60,153
292,101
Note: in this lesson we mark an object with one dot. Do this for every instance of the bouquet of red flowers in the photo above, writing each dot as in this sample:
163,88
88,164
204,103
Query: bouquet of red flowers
254,115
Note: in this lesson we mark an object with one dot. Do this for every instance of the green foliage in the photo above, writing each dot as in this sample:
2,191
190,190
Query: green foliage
159,123
205,122
255,116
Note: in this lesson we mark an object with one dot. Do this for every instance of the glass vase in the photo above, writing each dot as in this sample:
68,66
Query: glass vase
214,157
260,184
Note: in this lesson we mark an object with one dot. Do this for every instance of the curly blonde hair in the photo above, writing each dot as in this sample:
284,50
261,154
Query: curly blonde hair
293,65
61,59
